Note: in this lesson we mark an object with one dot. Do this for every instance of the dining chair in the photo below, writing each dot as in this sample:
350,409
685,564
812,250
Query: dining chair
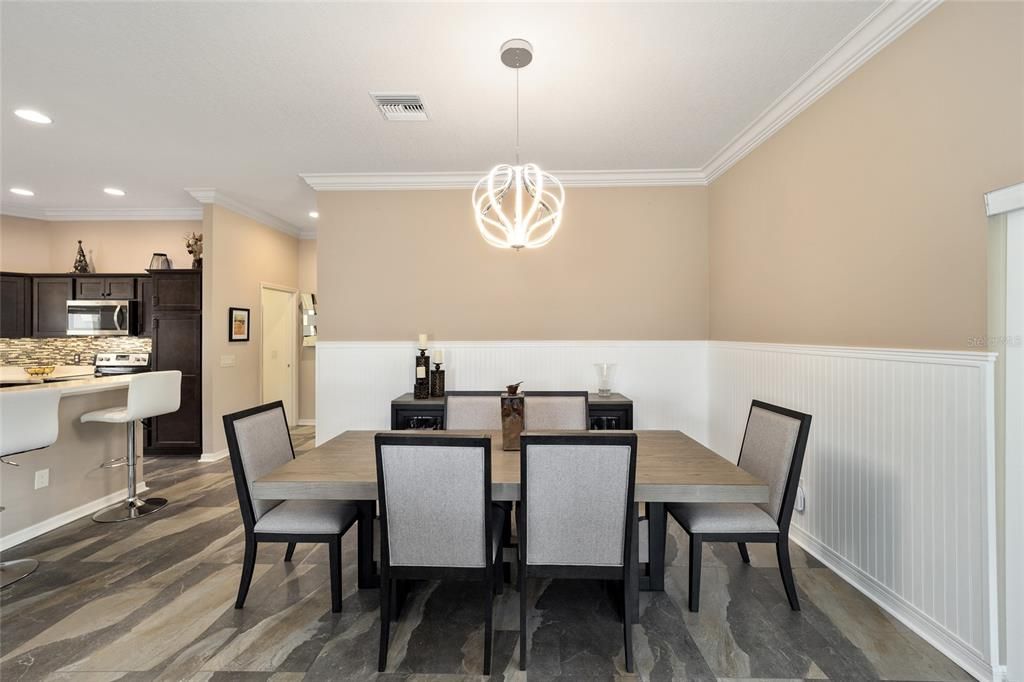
436,520
773,451
556,411
577,516
258,443
472,410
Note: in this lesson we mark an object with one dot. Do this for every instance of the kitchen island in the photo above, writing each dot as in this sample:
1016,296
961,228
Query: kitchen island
78,483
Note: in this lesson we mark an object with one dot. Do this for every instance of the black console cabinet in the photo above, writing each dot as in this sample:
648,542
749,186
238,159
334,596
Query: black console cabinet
613,412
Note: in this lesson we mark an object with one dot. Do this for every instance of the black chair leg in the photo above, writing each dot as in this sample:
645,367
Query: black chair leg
786,569
498,576
743,552
696,545
385,622
488,627
627,621
289,552
522,617
248,564
335,566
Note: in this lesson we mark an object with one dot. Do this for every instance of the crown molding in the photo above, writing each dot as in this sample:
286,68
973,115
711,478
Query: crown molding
76,214
210,195
883,26
341,182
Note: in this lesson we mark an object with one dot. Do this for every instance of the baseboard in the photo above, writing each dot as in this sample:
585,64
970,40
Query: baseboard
54,522
213,456
306,422
946,642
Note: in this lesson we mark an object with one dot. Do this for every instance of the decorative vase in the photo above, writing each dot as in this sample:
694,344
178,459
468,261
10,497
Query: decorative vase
512,410
605,372
197,263
421,389
437,381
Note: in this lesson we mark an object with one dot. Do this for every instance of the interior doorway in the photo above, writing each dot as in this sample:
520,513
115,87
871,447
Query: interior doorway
279,335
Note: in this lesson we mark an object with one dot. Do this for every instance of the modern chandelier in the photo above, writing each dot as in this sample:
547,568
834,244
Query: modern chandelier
518,206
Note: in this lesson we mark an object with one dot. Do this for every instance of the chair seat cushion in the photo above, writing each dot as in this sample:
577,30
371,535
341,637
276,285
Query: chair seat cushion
712,517
114,415
308,517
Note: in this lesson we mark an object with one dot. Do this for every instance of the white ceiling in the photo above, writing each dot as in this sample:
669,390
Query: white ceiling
243,97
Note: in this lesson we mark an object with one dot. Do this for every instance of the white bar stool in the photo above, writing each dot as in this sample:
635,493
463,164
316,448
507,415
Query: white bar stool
149,395
29,420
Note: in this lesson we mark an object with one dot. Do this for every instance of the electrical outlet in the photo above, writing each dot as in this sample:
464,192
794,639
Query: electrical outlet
801,497
42,478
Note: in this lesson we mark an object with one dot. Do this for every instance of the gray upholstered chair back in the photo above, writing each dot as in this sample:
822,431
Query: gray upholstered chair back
263,445
767,452
473,411
577,497
435,505
556,412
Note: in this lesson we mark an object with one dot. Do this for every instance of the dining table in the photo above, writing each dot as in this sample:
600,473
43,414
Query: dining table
670,467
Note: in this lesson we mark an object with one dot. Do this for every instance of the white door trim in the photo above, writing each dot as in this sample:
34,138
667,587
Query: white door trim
293,352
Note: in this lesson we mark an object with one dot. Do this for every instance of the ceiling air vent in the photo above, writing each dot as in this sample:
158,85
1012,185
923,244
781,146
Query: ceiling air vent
400,107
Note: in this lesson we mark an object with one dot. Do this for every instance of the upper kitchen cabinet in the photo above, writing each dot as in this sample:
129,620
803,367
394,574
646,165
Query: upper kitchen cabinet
177,290
15,306
118,288
50,296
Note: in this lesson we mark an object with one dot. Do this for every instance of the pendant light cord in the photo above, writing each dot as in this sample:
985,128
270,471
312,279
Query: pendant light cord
517,116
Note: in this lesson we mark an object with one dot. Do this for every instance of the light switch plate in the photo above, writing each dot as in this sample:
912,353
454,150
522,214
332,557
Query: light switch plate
42,478
227,361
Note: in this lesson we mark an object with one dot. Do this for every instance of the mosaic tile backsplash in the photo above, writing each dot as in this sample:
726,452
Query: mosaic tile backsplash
62,351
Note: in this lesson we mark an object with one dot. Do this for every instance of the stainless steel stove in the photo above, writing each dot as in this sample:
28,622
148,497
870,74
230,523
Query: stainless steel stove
108,364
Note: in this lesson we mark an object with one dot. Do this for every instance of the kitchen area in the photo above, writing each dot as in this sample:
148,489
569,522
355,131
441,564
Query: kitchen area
85,335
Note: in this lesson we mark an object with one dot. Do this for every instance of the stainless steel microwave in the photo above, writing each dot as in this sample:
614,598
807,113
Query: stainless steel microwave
102,318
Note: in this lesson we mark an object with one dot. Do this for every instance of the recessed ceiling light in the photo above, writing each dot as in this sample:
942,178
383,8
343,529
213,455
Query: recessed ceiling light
22,192
314,214
33,116
114,192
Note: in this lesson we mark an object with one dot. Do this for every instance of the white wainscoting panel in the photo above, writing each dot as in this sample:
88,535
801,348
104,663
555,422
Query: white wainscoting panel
899,475
667,380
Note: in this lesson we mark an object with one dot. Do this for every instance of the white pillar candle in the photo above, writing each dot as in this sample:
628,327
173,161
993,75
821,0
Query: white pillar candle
423,341
438,356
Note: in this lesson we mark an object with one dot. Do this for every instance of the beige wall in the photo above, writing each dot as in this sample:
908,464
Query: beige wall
862,222
627,263
24,245
307,355
239,254
28,245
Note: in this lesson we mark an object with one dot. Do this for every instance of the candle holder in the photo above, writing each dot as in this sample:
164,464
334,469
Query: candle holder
437,381
605,373
421,389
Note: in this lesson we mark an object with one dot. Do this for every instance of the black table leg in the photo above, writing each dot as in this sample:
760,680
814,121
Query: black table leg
657,519
368,575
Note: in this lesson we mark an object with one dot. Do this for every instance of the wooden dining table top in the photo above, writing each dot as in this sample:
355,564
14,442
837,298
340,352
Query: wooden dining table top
670,467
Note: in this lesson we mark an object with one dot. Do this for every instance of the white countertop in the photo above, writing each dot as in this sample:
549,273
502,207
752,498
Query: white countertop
87,384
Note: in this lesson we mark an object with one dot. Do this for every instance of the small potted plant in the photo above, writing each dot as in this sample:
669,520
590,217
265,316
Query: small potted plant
194,246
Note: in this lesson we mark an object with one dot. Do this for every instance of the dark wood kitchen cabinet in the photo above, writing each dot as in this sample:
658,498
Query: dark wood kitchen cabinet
50,296
144,288
177,331
15,306
117,288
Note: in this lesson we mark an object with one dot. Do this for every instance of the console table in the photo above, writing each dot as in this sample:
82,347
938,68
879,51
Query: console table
612,412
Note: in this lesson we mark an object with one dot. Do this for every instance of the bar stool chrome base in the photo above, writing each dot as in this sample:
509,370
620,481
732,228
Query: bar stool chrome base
129,509
13,571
